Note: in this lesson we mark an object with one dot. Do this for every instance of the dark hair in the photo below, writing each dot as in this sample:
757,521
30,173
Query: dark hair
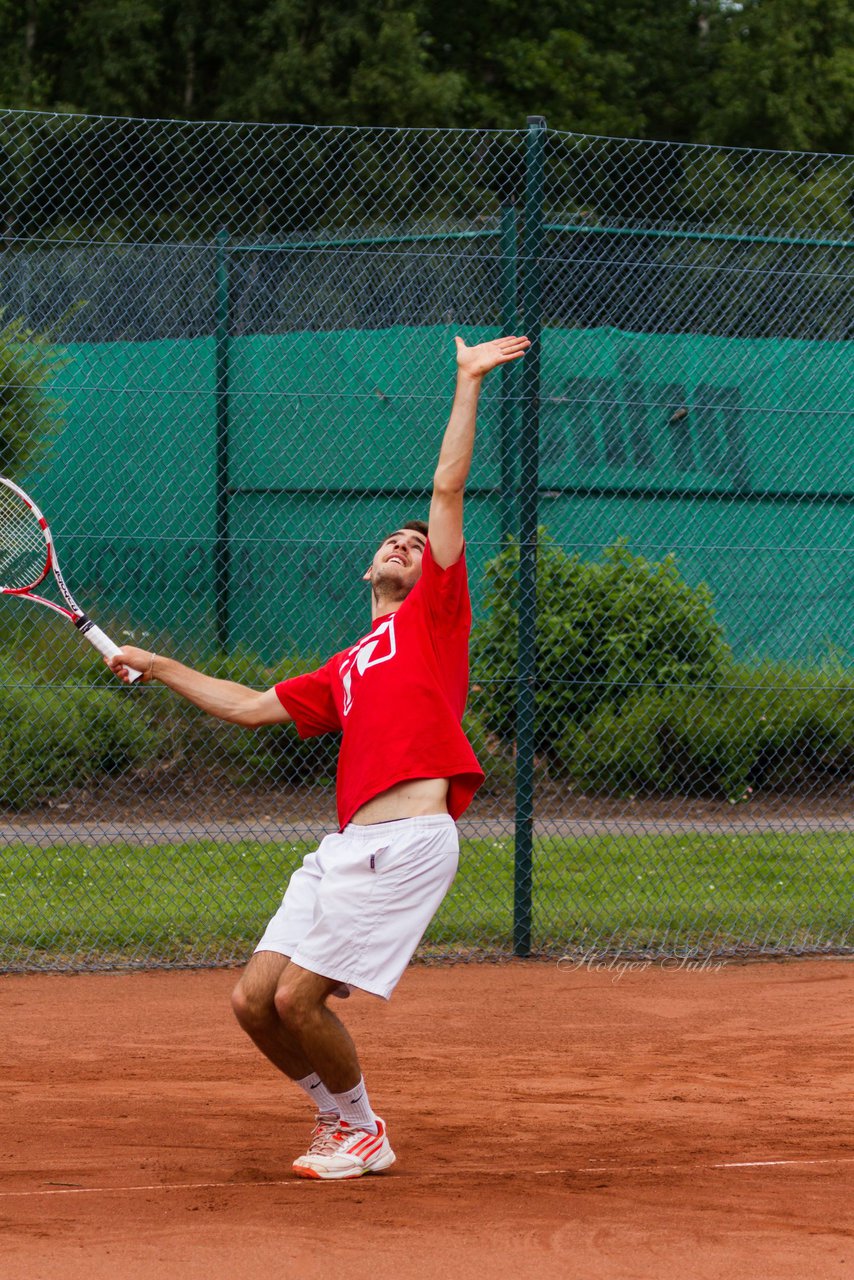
420,526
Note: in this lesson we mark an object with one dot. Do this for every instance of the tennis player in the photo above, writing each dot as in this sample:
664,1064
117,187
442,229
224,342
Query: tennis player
356,909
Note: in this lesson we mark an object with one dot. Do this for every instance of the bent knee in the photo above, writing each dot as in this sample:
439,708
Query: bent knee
252,1008
293,1007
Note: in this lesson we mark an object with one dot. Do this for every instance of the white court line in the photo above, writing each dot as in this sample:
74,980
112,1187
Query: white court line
294,1183
758,1164
153,1186
729,1164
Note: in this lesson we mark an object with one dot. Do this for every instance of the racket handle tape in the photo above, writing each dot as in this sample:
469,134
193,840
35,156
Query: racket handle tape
102,643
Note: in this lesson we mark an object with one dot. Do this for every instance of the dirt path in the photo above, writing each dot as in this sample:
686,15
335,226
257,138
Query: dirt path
168,831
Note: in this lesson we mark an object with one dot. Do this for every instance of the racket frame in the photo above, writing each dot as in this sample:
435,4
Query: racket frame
74,613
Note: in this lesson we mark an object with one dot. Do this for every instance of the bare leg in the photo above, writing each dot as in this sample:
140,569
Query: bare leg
254,1004
323,1039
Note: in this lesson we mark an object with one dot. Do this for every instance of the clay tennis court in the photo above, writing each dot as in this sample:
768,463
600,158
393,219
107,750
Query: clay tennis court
550,1120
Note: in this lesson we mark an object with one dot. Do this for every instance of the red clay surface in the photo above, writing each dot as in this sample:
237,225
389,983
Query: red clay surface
549,1122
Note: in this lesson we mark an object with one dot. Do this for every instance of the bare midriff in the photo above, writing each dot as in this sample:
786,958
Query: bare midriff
416,798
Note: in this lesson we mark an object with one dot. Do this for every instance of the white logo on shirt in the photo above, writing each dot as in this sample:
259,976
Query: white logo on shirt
378,647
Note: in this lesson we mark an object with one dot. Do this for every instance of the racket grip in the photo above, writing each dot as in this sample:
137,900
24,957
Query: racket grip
103,644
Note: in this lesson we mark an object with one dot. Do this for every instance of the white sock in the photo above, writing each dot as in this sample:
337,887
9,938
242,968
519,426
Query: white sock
354,1107
315,1089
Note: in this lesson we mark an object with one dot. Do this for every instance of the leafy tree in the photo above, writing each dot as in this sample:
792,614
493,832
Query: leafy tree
552,65
784,77
670,58
362,63
211,51
776,73
113,67
31,46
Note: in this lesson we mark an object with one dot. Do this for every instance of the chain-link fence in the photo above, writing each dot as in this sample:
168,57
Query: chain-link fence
226,363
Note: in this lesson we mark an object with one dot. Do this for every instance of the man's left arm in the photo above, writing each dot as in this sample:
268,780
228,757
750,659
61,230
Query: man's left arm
452,470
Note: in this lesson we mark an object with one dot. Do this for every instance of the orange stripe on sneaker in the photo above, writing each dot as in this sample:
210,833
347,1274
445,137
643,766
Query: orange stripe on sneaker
367,1146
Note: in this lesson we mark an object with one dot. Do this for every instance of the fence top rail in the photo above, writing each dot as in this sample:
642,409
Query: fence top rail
519,131
673,233
438,237
359,242
114,180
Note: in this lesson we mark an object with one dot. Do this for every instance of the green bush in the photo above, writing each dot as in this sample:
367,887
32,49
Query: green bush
604,631
38,648
29,415
617,752
271,756
772,728
54,736
805,723
769,727
51,739
496,758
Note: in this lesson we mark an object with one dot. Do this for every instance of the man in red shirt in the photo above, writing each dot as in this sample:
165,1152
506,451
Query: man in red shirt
357,908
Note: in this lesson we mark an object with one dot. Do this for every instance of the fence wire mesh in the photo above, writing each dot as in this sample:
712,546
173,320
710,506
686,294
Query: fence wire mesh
226,363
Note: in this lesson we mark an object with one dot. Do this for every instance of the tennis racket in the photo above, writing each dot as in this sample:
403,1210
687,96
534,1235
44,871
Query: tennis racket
27,556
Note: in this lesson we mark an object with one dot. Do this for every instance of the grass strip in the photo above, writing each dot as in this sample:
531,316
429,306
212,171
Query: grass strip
80,906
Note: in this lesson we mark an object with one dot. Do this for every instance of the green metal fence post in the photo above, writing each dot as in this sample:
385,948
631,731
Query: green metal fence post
529,450
507,423
222,549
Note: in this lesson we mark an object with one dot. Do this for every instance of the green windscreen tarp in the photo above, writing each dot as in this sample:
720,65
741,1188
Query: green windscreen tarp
734,454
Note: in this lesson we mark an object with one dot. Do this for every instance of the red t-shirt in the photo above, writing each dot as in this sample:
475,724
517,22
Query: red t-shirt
398,695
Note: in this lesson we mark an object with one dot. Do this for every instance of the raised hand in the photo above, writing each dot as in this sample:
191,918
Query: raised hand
475,362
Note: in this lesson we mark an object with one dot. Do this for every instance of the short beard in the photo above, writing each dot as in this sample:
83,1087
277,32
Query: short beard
388,589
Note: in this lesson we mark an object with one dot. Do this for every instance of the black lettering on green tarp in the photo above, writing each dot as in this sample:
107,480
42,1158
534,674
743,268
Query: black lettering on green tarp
673,403
707,407
643,452
720,432
611,419
553,441
737,458
579,404
699,433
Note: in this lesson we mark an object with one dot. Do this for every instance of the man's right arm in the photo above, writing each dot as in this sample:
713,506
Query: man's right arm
221,698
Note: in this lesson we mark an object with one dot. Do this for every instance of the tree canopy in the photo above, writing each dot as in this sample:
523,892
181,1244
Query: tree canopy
770,73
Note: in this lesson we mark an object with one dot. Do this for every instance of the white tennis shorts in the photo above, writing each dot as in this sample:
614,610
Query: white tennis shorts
358,906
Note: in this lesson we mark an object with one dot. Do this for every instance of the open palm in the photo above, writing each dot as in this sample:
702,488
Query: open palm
478,360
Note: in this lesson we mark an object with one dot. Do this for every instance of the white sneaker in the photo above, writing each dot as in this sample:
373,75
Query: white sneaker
345,1152
325,1123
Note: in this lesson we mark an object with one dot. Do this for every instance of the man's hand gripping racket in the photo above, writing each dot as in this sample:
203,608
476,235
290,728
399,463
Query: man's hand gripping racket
27,556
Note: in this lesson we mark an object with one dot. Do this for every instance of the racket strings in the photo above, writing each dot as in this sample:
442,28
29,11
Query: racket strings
23,546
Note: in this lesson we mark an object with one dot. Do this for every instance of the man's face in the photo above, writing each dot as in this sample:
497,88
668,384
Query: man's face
396,567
